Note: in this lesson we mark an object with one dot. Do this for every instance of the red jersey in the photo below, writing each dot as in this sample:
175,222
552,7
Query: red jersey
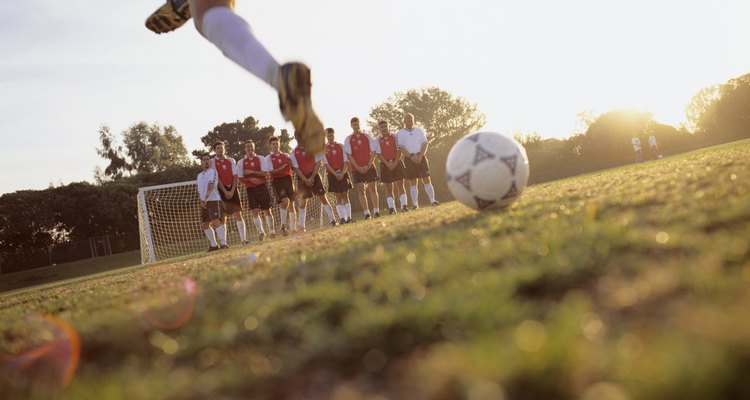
305,162
276,160
252,164
388,147
335,155
360,146
227,169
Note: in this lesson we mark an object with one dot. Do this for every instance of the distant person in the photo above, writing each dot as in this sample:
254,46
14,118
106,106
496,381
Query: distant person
210,203
413,144
226,167
280,165
654,147
637,149
252,171
230,33
338,176
391,168
360,150
307,167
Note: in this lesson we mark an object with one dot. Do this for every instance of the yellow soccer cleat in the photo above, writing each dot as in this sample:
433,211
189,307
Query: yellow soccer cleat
169,17
296,106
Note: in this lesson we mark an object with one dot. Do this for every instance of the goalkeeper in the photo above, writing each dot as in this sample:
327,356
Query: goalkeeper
218,23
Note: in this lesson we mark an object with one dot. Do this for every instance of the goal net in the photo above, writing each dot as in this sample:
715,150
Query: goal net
169,220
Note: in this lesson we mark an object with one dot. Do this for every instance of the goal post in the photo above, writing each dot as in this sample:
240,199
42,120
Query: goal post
169,220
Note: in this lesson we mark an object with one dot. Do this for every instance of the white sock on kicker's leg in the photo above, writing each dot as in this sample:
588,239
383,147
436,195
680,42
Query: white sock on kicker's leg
234,37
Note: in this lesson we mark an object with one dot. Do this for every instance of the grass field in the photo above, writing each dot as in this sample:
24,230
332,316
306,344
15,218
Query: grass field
626,284
62,272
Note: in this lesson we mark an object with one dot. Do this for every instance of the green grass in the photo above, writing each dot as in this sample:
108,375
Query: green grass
626,284
10,283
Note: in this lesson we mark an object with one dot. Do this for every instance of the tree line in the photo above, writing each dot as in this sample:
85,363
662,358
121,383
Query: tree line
145,155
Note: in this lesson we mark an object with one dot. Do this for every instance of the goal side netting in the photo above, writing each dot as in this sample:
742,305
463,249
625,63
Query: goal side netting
169,220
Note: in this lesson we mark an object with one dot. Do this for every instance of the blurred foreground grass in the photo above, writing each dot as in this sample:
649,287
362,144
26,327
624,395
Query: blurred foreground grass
626,284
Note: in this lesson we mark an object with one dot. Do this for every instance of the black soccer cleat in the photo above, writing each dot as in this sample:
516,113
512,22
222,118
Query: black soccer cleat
212,248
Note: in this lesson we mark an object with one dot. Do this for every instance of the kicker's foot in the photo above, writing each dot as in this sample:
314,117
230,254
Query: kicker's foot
295,89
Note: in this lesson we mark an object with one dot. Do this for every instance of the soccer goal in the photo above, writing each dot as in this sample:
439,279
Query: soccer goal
169,220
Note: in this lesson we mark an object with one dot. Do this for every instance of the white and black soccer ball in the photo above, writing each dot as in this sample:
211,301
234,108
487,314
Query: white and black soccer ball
487,170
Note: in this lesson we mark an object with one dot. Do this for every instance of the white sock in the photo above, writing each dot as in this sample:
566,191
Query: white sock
302,215
210,235
430,192
340,210
241,229
348,209
414,196
283,213
258,225
391,203
222,234
329,212
233,36
366,212
269,221
376,210
293,220
402,200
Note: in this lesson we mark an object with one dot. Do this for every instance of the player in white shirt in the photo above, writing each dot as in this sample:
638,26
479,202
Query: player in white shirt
654,147
230,33
413,144
252,170
210,203
637,149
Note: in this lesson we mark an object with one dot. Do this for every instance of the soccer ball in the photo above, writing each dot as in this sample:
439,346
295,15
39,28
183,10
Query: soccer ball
487,170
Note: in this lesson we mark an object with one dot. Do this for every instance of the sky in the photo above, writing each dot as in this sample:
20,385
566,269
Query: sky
69,67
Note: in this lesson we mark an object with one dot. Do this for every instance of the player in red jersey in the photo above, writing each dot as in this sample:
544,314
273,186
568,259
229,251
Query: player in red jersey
252,171
226,167
280,165
391,167
230,33
338,176
306,167
360,150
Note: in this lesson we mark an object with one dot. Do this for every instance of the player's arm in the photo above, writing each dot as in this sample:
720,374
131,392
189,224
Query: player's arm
235,179
354,164
298,172
328,167
423,150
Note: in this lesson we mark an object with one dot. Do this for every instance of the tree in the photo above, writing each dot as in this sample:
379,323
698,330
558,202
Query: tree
144,149
445,118
700,110
234,135
109,150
